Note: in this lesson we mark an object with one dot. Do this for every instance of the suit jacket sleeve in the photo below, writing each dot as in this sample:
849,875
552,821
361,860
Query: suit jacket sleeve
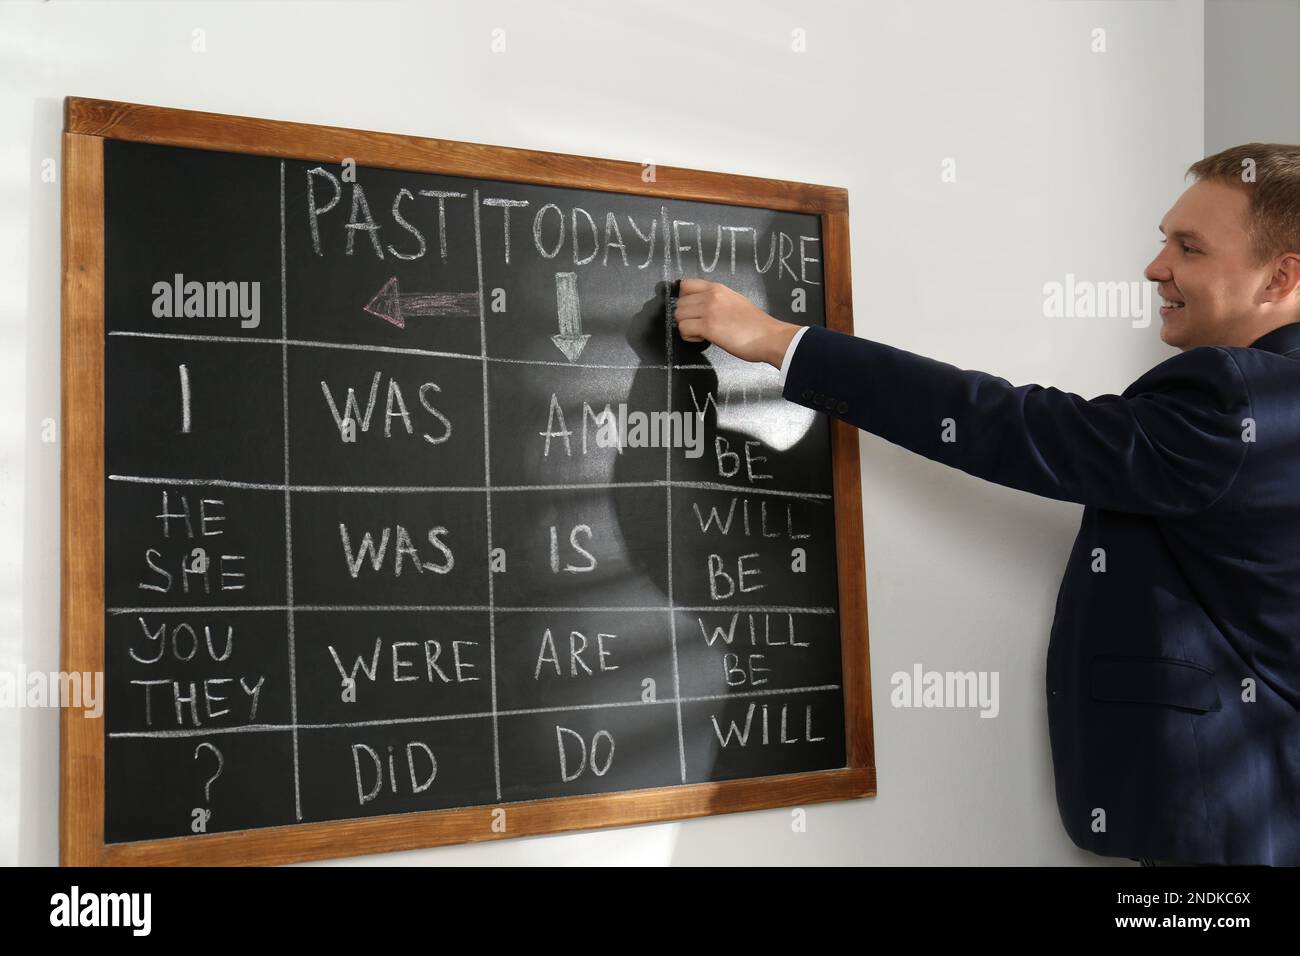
1173,443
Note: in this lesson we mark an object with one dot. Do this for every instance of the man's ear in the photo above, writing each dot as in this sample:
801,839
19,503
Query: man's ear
1285,279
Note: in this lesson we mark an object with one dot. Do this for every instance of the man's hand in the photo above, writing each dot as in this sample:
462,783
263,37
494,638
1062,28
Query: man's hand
709,311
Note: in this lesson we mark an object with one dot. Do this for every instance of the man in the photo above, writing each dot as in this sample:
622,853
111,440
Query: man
1173,669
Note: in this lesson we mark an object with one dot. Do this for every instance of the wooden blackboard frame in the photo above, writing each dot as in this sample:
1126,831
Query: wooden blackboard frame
87,123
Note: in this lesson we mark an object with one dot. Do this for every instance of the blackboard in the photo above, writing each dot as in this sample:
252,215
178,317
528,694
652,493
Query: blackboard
390,524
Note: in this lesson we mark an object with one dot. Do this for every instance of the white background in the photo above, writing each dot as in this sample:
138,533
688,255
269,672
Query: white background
1066,160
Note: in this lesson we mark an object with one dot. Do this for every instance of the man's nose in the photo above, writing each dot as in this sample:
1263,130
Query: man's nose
1157,271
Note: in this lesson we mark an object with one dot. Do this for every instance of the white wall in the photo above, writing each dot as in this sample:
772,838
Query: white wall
1066,160
1252,72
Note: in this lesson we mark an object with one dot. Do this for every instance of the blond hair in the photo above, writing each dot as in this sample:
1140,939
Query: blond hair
1270,175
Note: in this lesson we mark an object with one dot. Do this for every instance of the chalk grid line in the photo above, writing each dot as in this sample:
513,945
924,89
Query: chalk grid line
494,713
288,524
494,607
438,489
668,495
487,485
407,350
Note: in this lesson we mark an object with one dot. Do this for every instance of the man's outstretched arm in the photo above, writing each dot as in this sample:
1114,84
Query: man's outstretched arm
1173,444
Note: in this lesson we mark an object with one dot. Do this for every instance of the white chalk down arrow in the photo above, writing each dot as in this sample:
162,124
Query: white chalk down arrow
570,340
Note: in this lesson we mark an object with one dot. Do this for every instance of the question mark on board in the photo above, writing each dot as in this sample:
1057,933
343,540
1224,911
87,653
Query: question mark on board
207,787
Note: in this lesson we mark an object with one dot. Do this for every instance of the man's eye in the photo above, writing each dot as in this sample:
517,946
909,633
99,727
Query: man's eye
1187,248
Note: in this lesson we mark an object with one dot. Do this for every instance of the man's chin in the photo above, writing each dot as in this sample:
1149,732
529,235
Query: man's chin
1173,333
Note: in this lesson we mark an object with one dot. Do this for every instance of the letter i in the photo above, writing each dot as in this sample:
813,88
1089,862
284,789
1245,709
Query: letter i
185,398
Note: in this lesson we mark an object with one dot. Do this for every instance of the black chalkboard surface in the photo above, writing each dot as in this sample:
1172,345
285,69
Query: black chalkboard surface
374,541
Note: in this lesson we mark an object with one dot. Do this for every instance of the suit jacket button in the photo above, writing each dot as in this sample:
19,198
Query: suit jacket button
807,394
842,407
819,398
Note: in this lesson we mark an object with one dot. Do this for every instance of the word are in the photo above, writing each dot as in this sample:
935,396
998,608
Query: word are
548,655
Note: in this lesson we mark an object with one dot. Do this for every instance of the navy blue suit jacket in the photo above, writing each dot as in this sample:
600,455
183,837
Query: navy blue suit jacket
1173,667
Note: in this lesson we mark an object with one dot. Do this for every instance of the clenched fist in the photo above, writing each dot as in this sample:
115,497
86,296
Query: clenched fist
709,311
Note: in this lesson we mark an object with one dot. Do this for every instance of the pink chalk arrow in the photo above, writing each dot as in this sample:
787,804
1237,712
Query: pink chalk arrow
393,305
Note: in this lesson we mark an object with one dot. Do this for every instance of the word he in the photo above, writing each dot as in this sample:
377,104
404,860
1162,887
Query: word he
196,563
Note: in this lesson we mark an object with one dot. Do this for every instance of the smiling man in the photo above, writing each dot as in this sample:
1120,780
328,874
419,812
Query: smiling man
1173,668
